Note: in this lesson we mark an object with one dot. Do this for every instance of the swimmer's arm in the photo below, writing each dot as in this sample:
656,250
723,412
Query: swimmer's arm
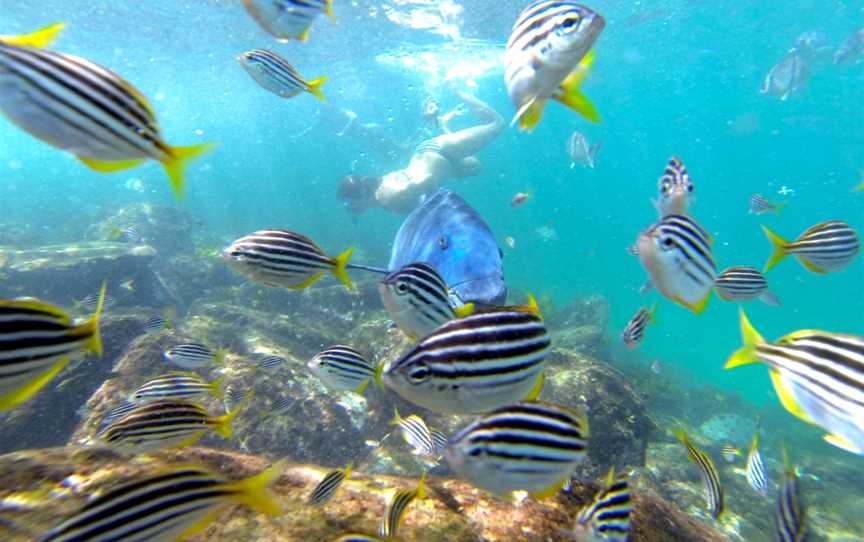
444,119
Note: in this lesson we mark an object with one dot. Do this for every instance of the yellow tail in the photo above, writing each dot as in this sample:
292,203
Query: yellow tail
396,417
465,310
255,492
572,96
778,207
315,87
339,272
751,339
779,245
216,388
379,373
652,318
40,38
91,326
681,435
176,164
222,424
328,10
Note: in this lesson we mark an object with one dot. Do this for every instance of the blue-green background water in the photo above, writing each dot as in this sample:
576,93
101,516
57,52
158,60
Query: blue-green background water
671,77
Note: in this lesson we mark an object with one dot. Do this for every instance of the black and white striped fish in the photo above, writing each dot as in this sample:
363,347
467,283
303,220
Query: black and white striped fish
756,475
675,189
234,396
343,368
676,253
37,341
418,300
547,57
416,433
818,376
790,514
281,406
193,356
282,258
288,19
707,472
114,414
129,234
155,324
165,505
394,516
179,385
759,204
270,362
530,445
634,332
91,301
730,453
277,75
607,517
439,442
743,283
474,364
827,247
327,487
164,424
78,106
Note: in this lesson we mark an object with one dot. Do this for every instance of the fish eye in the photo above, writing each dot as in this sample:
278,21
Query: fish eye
569,24
667,242
442,242
689,187
402,287
419,373
664,187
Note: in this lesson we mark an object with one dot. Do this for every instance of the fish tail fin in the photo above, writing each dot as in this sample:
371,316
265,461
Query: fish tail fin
859,188
348,468
91,326
751,339
339,271
396,417
779,245
315,87
778,207
176,164
610,476
217,388
115,234
220,356
571,94
328,10
222,424
39,39
421,487
304,37
533,306
465,310
255,491
379,372
681,435
770,298
652,313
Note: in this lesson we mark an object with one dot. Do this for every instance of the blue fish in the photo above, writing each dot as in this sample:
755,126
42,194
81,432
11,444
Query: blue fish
449,235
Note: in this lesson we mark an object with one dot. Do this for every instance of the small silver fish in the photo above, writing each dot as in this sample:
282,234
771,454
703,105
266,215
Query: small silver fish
580,151
288,19
787,78
851,51
759,204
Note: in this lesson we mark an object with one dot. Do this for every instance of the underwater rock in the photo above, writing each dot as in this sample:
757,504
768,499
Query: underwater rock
618,420
53,413
452,512
167,229
588,339
590,310
65,273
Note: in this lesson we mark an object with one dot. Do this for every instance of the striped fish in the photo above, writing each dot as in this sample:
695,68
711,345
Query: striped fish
40,38
281,258
178,385
743,283
790,514
416,433
756,475
343,368
530,445
439,442
234,396
37,341
634,332
327,487
547,57
394,516
288,19
418,300
676,253
155,324
818,376
474,364
193,356
281,406
607,518
827,247
164,424
759,204
78,106
91,301
708,473
165,505
116,413
730,453
270,362
356,537
675,189
128,234
277,75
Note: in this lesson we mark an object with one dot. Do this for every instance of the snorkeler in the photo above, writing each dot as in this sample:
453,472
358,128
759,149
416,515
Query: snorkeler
435,160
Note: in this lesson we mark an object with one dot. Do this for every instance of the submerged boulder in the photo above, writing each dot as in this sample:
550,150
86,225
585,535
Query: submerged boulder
168,229
453,511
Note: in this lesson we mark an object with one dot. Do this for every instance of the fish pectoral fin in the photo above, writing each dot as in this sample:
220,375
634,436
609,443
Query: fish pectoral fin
812,267
842,443
19,395
698,307
175,165
103,166
529,114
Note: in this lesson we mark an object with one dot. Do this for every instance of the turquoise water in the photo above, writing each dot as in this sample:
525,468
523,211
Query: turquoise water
671,78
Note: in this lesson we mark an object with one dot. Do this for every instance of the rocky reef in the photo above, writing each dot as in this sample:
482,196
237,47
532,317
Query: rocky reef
453,511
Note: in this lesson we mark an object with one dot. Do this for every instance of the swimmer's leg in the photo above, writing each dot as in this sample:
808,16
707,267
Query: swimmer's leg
468,142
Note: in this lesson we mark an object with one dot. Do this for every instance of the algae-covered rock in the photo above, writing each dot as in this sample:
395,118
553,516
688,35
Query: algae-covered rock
168,229
453,511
